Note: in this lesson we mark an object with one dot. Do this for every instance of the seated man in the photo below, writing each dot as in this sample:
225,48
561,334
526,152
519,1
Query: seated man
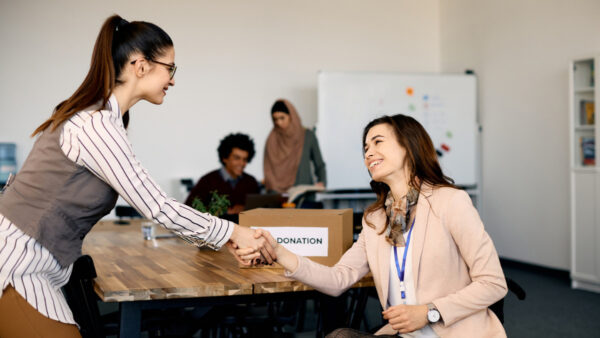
235,151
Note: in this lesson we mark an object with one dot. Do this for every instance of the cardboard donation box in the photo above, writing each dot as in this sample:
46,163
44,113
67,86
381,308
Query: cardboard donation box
322,235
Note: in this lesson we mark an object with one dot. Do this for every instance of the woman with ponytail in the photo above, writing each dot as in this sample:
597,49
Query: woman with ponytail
435,268
80,163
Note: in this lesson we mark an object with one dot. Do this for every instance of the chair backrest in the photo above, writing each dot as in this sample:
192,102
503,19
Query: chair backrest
498,307
187,183
82,300
357,306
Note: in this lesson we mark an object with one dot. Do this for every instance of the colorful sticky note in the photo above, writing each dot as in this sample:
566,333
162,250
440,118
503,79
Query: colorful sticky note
411,107
410,91
449,134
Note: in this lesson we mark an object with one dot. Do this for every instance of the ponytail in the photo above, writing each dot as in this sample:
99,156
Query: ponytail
98,83
117,40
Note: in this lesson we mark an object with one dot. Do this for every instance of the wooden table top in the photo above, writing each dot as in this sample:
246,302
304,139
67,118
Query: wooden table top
130,268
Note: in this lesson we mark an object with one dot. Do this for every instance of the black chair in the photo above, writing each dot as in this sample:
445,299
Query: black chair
187,183
356,309
498,307
354,301
82,300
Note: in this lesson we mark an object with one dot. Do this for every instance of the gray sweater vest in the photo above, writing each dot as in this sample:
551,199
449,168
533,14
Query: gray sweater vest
54,200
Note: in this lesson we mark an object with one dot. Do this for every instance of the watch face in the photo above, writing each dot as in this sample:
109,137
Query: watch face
433,316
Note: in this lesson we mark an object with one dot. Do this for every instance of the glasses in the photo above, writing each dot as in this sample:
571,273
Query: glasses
172,67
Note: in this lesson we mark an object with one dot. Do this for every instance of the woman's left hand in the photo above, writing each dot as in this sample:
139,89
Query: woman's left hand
406,318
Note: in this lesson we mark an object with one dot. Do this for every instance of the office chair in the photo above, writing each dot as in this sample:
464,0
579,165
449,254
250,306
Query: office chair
498,307
82,300
356,309
187,183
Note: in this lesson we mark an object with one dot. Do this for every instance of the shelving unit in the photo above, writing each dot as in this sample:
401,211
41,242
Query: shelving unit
584,174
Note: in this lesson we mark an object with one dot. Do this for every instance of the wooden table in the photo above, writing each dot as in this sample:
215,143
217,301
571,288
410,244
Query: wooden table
142,274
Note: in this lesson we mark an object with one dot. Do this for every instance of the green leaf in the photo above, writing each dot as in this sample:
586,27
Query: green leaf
218,204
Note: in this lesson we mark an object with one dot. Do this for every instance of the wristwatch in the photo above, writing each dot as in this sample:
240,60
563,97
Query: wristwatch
433,315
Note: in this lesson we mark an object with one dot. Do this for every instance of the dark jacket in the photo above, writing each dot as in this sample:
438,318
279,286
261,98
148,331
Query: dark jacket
310,153
214,181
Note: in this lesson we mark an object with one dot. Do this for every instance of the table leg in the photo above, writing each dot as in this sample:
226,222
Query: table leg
130,325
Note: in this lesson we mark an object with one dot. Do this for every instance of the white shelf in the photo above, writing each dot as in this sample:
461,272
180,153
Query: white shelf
584,169
584,179
584,90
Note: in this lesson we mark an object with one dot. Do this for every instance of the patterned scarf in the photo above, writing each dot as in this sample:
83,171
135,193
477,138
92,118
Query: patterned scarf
400,215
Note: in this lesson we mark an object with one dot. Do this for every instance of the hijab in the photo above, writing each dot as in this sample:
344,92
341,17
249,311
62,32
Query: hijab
283,151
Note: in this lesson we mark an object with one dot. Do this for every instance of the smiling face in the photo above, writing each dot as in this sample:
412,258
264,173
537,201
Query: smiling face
158,79
236,162
281,120
384,156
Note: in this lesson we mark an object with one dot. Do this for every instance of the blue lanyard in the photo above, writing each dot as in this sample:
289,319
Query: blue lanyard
401,271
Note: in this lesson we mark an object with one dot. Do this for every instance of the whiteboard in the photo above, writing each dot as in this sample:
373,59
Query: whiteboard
444,104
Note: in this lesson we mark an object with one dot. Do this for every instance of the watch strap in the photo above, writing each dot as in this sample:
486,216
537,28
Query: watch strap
431,307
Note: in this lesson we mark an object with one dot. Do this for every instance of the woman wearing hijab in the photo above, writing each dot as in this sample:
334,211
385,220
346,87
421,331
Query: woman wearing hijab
289,150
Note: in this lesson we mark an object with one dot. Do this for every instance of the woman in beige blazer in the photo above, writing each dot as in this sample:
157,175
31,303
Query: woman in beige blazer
451,273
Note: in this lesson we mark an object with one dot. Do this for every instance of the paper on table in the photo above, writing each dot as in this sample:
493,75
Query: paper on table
298,190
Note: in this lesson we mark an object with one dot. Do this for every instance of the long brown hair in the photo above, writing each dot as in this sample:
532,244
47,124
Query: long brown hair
421,158
117,40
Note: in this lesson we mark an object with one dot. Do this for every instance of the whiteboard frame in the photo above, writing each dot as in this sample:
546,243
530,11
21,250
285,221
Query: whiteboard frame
474,186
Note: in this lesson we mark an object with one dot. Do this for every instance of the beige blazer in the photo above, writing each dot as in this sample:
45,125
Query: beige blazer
455,265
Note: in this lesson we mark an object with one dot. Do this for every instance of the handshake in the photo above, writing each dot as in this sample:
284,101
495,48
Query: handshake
253,247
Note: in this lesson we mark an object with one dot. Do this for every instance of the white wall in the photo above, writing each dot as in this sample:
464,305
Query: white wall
520,51
234,59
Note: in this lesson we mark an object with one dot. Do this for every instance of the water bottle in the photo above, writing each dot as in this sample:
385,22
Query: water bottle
8,161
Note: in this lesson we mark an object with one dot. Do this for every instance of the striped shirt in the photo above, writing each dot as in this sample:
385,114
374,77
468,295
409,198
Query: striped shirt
97,140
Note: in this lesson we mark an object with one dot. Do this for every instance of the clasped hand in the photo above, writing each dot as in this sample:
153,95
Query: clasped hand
252,247
406,318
